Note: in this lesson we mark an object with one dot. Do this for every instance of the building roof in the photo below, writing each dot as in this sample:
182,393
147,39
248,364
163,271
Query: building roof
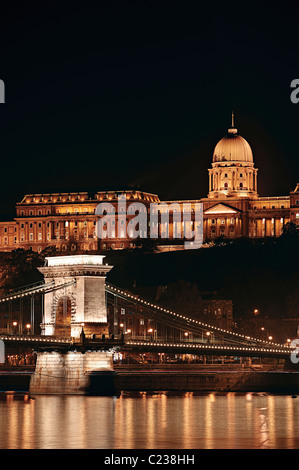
233,147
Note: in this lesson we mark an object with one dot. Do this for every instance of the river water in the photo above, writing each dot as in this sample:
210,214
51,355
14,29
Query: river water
150,421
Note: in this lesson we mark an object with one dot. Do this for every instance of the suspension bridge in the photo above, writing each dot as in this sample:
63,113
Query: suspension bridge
224,342
75,350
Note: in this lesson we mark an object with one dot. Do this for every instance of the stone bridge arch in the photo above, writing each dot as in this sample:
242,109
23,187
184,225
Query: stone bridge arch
63,313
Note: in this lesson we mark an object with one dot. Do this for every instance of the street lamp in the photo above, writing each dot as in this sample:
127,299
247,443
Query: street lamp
28,326
150,331
264,332
14,324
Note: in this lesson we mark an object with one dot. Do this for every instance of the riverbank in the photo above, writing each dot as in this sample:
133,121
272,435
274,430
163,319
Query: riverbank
208,380
174,378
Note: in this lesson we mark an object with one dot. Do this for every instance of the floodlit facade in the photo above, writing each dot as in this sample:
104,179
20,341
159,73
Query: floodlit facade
231,209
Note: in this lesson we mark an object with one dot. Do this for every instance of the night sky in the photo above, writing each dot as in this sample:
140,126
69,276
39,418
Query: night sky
139,93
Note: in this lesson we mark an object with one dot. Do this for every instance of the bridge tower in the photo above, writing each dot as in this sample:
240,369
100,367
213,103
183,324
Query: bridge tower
67,309
79,370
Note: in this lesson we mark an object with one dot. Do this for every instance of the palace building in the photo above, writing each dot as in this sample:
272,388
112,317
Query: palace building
231,209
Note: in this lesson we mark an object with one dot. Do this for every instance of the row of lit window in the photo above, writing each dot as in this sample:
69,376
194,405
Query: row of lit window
40,236
57,224
282,206
240,186
83,197
222,221
40,212
55,199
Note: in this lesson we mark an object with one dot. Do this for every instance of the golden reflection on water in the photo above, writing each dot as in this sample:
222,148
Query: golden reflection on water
231,412
150,421
290,420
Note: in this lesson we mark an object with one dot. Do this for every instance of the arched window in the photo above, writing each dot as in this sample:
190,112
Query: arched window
241,185
225,185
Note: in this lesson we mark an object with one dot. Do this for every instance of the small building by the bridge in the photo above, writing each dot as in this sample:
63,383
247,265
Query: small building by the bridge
218,311
133,321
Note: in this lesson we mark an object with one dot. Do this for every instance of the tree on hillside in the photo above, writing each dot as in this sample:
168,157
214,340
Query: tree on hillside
19,268
290,232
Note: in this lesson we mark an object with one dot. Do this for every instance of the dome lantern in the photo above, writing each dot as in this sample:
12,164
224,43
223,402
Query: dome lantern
232,129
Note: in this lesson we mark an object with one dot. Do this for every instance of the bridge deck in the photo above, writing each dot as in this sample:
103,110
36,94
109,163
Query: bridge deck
50,343
207,349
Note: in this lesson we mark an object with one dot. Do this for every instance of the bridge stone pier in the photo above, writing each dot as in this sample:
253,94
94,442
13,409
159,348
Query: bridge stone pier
67,312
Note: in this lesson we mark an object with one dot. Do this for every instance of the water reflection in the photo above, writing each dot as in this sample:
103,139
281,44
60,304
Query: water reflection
147,420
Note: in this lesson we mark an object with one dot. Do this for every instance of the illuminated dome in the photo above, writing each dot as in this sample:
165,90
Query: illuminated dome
233,148
232,173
